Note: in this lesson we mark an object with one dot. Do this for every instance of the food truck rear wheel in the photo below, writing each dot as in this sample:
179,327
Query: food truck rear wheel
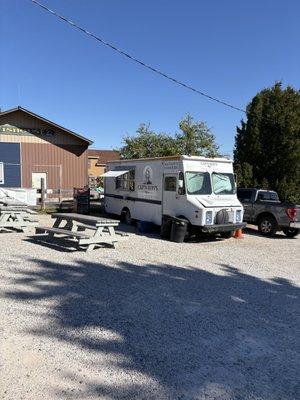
126,216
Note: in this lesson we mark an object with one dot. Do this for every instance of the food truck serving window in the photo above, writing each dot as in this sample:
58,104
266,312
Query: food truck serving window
126,181
223,183
198,183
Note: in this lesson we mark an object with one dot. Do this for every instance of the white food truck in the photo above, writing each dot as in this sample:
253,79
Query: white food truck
199,190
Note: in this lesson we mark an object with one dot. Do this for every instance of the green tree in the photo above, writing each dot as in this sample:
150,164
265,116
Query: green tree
195,138
267,144
147,143
244,175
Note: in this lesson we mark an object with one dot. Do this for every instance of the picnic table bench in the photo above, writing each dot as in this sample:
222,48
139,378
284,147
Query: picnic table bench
15,217
76,226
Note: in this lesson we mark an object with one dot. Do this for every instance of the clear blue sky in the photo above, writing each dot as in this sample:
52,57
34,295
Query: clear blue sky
229,49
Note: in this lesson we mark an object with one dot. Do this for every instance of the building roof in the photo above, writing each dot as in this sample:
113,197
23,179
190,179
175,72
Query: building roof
47,121
95,153
103,156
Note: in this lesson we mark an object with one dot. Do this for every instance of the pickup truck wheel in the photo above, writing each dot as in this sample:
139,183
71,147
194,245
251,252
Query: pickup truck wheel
290,232
267,226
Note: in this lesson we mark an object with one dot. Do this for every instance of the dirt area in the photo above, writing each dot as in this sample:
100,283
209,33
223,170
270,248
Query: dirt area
150,320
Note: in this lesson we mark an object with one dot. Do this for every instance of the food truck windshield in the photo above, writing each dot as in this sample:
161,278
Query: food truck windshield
200,183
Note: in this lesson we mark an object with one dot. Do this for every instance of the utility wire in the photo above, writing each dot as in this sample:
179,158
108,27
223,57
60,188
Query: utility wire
136,60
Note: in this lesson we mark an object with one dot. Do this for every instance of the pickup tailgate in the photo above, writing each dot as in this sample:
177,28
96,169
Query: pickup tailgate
296,222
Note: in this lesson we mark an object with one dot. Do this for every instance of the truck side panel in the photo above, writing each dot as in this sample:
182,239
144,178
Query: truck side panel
145,201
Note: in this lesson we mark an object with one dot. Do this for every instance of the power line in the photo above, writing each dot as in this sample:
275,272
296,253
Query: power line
136,60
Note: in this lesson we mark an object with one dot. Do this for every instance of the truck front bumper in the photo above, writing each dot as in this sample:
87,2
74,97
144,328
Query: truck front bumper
223,228
295,224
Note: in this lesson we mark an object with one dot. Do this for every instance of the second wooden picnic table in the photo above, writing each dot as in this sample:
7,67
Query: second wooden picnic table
13,217
77,226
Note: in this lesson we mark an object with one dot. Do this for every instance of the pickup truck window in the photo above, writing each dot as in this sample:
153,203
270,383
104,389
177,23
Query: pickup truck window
223,183
267,196
198,183
244,194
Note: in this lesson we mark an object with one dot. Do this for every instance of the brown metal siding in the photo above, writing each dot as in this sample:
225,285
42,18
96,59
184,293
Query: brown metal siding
73,159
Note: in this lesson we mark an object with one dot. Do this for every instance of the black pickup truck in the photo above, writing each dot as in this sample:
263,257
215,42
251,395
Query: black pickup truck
264,209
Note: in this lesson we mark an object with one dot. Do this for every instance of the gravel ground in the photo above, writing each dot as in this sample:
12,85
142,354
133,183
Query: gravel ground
150,320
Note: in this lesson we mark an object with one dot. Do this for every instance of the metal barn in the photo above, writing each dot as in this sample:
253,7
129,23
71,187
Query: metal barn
32,147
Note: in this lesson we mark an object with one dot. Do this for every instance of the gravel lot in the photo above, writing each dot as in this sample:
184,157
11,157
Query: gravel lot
150,320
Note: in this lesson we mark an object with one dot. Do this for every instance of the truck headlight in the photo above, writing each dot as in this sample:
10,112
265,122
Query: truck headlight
208,217
238,216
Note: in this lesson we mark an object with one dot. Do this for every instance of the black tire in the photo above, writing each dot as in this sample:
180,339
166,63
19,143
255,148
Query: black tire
290,232
189,232
126,217
267,225
227,235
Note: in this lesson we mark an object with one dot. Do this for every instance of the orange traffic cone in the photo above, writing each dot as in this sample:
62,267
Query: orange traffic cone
238,234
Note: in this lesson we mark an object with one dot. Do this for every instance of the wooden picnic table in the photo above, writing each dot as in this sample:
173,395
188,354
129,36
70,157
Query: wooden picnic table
77,226
12,217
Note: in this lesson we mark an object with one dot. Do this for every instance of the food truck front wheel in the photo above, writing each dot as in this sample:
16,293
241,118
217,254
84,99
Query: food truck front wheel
189,230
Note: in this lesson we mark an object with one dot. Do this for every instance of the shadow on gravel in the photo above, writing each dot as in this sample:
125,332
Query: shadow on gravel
198,335
66,245
254,232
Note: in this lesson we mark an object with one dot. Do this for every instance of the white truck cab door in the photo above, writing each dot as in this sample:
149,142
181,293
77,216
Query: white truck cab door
170,196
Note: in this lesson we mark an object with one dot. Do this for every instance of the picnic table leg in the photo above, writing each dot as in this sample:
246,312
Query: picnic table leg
112,234
55,225
57,222
5,217
90,248
74,228
20,219
98,232
69,226
2,219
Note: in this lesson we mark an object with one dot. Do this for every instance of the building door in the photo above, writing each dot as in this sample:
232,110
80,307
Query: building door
36,178
11,165
169,194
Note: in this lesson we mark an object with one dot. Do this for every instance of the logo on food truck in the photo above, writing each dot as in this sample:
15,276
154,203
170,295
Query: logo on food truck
148,175
147,185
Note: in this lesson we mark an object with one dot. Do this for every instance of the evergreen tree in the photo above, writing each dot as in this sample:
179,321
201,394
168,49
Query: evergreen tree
267,145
